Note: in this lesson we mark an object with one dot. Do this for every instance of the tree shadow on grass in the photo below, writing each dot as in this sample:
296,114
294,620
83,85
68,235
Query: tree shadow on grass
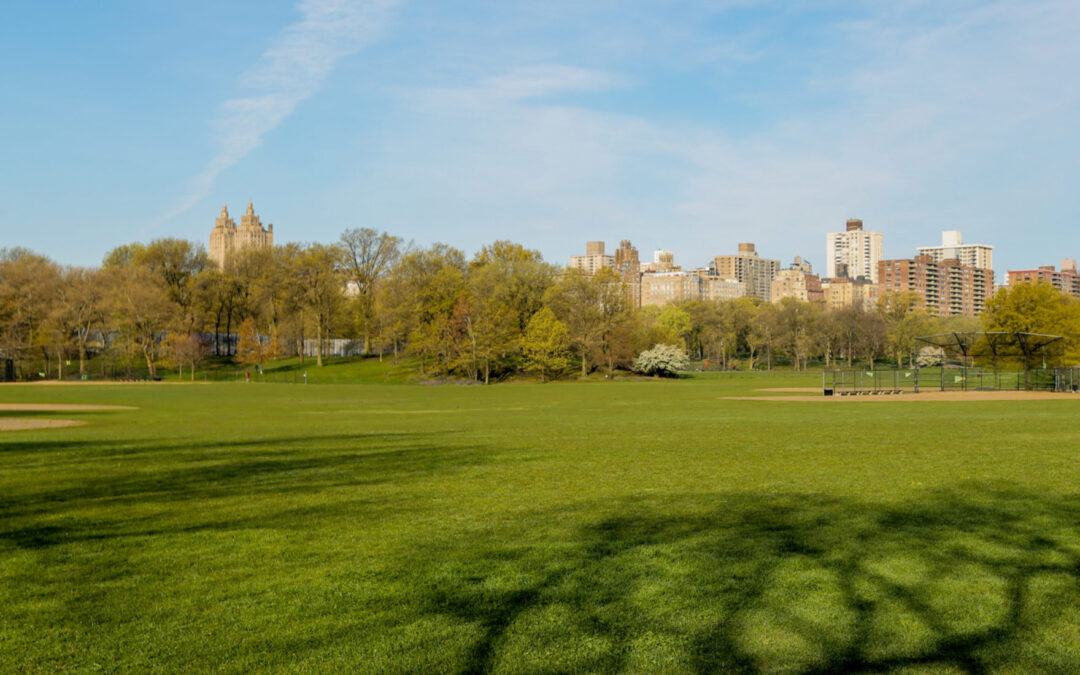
970,580
226,470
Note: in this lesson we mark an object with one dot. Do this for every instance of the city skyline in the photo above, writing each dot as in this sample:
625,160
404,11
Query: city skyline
713,123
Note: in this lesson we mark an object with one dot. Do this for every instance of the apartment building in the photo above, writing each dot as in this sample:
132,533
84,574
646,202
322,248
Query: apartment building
1066,281
953,247
594,259
948,288
853,253
746,267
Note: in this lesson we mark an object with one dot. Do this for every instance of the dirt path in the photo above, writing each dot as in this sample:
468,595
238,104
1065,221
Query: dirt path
58,407
95,383
24,423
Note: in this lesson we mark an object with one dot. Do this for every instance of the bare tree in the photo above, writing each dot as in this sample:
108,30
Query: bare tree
367,256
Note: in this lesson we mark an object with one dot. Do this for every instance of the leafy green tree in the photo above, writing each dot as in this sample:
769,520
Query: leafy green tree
438,289
736,321
905,320
491,317
575,299
590,306
676,321
546,345
525,277
1035,308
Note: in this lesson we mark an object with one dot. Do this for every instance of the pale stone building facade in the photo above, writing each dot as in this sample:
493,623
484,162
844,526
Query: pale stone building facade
664,288
594,259
754,272
226,238
628,265
843,292
798,284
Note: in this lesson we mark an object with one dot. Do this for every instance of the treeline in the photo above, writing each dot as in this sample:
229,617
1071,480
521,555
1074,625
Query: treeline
502,311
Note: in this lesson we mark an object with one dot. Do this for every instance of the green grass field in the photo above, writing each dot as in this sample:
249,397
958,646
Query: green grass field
573,527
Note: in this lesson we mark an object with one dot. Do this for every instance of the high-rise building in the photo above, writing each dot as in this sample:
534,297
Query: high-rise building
755,273
853,253
594,258
1066,281
226,238
948,288
953,246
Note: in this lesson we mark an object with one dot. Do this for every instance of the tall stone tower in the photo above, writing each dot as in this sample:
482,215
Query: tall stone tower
226,238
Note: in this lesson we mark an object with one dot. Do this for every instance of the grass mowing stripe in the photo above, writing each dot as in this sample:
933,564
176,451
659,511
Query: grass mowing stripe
605,527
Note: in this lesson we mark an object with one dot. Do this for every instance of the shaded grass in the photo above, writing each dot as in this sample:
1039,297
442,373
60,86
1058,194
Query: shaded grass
604,527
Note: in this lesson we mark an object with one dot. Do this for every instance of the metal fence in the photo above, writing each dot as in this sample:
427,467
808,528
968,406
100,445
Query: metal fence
898,381
1067,379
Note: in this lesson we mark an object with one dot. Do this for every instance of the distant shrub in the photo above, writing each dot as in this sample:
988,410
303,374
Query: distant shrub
930,356
663,360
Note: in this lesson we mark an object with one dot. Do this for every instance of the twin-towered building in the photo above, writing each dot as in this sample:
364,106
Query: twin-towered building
226,238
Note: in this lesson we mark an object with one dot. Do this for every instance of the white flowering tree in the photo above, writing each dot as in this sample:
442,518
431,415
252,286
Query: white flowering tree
663,360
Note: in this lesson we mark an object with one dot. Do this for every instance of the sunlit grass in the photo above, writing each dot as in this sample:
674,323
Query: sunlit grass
578,527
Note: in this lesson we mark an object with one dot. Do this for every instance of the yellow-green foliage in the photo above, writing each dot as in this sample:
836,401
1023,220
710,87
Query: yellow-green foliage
1036,308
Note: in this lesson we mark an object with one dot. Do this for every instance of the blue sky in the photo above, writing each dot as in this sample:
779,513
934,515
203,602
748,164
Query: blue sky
689,125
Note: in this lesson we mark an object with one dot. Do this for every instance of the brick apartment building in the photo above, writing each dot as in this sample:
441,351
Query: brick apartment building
948,288
1067,280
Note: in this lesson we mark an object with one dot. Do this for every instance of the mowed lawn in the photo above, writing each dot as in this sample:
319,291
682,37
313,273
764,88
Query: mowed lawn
572,527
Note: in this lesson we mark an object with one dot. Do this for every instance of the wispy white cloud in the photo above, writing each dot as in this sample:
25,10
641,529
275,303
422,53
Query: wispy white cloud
292,70
920,118
527,83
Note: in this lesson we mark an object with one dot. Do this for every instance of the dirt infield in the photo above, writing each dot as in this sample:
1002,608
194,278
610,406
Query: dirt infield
93,383
58,407
24,423
794,390
922,396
